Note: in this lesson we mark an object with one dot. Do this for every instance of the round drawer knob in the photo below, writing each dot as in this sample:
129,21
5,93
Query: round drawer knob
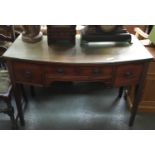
60,71
96,71
28,74
128,74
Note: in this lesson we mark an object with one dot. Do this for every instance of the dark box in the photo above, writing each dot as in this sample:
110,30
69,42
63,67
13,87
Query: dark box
61,34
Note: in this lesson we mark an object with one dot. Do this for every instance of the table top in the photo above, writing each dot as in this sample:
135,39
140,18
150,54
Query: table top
97,53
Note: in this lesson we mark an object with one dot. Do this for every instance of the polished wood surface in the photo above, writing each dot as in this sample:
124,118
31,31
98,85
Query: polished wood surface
117,64
94,53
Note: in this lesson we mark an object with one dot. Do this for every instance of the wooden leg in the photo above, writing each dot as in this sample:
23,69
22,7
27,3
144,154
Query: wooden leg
18,100
137,95
23,93
120,92
32,91
135,105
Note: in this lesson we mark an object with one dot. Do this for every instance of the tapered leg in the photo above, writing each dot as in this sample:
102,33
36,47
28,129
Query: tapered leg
120,92
137,95
23,93
18,100
32,91
135,105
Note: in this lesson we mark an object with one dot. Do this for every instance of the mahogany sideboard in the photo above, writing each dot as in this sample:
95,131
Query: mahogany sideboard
118,64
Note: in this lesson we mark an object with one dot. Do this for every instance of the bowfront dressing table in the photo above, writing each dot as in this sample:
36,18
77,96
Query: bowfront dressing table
38,64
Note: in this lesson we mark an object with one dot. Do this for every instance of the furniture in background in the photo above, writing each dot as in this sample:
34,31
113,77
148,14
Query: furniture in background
6,92
131,28
40,65
7,32
147,101
143,36
7,37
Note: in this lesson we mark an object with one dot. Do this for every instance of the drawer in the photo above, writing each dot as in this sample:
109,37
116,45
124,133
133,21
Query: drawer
128,74
80,73
95,71
59,71
27,72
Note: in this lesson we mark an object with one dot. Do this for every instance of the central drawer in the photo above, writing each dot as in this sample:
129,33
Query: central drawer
78,73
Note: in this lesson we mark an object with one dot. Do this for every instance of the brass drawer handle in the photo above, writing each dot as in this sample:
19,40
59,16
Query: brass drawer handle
60,71
28,74
96,71
128,74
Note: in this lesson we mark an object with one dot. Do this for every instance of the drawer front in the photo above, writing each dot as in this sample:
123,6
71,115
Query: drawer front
128,74
27,72
80,73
